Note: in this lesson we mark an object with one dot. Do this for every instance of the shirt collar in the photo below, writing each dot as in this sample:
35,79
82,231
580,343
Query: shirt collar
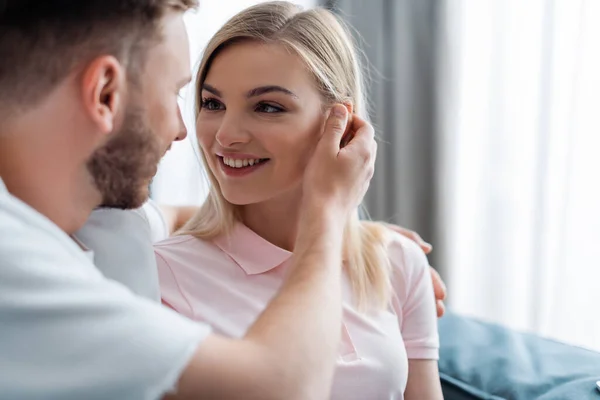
251,252
3,188
89,253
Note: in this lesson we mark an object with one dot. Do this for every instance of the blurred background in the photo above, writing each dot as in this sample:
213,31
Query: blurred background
489,112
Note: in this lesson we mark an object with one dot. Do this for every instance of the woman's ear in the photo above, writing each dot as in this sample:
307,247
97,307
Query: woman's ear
348,134
349,107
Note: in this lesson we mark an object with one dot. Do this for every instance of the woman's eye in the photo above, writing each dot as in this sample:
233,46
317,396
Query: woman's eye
211,105
268,108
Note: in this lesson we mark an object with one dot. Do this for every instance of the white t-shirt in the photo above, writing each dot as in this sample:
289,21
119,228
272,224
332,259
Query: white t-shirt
121,241
69,333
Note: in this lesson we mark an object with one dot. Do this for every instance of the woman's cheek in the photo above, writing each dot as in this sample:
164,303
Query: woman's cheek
306,149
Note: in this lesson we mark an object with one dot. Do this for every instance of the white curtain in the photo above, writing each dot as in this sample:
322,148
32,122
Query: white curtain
180,179
521,163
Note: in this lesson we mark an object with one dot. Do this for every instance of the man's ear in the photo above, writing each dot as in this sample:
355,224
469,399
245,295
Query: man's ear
103,86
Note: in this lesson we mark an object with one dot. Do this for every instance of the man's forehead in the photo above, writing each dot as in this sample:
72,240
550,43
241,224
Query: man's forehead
172,55
184,82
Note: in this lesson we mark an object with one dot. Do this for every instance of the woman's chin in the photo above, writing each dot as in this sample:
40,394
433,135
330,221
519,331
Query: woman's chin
242,199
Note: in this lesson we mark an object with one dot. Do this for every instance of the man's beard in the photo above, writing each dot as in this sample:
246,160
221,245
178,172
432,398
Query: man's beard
122,167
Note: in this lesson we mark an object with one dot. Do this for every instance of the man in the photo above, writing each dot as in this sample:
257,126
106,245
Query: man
84,123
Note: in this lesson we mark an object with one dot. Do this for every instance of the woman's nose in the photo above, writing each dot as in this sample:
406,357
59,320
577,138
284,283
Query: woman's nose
232,132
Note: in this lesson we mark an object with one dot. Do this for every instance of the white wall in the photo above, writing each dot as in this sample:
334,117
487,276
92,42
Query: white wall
180,179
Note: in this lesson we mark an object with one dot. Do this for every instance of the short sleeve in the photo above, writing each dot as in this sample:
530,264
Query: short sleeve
122,246
68,333
414,299
155,219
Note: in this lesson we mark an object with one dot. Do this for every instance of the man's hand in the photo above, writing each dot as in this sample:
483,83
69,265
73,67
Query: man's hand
412,235
338,177
439,288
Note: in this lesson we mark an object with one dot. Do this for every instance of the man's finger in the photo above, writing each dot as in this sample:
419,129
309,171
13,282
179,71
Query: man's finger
426,247
440,308
412,235
439,288
361,132
335,126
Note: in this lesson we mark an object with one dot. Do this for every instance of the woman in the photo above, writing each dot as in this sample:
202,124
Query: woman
265,85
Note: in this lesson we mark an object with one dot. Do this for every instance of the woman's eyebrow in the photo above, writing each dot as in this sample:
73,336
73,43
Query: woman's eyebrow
208,88
269,89
254,92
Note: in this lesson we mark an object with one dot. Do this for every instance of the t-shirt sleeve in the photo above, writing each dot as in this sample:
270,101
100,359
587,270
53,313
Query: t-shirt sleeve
69,333
414,298
155,219
122,247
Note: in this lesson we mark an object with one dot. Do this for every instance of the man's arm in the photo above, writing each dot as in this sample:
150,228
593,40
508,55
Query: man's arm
290,351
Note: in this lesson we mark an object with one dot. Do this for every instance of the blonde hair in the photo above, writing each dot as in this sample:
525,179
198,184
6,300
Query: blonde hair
325,45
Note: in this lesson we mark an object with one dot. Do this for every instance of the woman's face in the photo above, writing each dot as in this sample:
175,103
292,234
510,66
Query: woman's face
261,117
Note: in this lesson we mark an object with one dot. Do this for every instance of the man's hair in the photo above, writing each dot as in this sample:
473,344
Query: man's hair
42,41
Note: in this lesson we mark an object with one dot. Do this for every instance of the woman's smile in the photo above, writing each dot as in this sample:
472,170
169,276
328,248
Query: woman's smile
240,165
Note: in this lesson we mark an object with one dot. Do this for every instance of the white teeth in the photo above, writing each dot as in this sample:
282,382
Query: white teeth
237,163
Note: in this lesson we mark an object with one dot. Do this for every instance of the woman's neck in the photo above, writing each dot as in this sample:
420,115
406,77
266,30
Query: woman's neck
275,220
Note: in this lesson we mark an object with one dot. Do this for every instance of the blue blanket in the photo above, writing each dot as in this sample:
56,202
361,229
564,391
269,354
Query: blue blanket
479,360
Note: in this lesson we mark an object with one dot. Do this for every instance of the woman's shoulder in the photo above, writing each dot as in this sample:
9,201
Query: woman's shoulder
404,252
405,256
185,246
401,250
175,241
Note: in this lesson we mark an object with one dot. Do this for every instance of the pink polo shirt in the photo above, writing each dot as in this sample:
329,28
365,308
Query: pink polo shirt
229,281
